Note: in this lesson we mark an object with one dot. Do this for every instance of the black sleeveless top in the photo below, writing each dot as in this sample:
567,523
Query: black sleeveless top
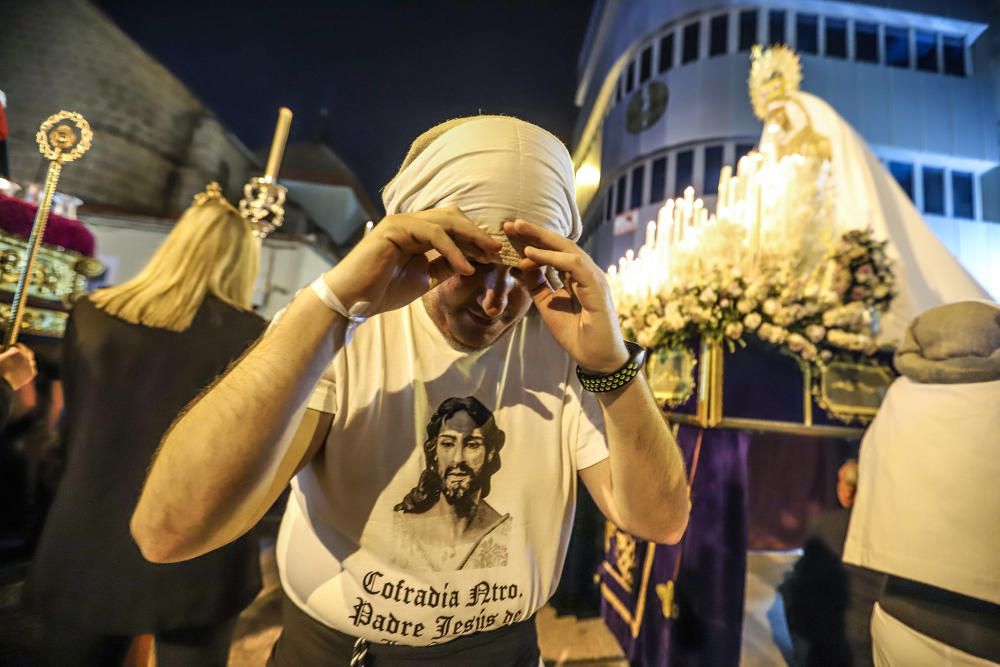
124,385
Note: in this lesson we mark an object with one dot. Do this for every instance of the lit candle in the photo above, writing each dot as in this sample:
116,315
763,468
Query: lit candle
757,219
742,166
678,220
663,223
722,198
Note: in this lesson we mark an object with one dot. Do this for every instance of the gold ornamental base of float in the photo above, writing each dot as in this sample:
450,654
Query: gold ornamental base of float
39,321
852,391
59,274
670,373
848,392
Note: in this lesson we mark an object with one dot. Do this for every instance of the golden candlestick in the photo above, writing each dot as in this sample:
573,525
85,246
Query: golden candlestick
62,138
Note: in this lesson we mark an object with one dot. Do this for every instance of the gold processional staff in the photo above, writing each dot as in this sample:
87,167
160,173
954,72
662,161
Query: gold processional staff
263,198
62,138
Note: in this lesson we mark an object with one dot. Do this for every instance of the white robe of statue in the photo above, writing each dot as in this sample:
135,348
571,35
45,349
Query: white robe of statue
927,274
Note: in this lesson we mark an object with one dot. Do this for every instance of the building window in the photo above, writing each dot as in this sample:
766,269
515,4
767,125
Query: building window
954,55
836,37
807,33
630,78
689,49
646,65
685,171
961,195
638,177
903,173
743,149
927,55
610,208
718,31
933,190
776,26
748,29
866,42
658,180
897,47
666,52
713,166
620,195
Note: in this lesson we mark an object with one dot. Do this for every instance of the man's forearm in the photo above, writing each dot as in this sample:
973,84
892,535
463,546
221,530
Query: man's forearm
649,483
218,461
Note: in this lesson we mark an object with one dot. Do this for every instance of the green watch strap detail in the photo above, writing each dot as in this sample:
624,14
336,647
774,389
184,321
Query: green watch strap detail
618,379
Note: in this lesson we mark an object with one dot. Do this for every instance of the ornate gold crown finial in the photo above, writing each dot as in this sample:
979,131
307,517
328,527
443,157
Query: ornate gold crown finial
260,217
64,137
263,205
212,194
775,72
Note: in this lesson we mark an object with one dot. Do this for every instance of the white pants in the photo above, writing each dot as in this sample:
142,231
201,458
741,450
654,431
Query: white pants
897,645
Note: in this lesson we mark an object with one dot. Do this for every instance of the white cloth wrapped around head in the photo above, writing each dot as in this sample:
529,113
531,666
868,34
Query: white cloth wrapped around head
957,343
496,169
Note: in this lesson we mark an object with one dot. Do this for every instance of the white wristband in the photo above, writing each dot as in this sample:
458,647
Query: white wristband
326,295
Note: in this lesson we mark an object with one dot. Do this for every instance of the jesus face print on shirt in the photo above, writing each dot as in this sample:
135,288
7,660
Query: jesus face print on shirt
444,522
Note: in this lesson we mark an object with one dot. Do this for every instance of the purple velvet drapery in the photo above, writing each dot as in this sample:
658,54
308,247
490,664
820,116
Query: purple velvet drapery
709,590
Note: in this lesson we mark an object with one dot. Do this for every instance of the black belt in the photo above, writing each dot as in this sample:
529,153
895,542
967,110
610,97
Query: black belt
966,623
305,641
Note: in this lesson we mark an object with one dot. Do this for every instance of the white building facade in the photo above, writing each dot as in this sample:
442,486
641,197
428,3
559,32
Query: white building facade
664,104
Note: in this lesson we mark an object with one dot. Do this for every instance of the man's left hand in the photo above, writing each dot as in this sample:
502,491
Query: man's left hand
580,314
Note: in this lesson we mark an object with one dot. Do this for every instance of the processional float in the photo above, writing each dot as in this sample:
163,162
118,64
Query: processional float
762,320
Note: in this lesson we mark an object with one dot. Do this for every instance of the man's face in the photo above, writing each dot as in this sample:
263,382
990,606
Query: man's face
847,484
461,455
475,310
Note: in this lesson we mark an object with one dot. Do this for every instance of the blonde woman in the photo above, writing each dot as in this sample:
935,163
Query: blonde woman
134,355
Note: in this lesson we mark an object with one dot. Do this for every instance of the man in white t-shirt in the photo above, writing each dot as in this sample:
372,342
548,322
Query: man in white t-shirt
432,427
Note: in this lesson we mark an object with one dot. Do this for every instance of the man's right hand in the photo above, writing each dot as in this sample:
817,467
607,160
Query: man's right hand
389,268
17,366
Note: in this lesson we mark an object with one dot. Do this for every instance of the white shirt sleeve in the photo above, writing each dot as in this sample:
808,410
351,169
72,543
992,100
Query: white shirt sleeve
324,396
591,439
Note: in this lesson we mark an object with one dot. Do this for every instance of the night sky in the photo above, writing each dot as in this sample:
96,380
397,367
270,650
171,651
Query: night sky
382,70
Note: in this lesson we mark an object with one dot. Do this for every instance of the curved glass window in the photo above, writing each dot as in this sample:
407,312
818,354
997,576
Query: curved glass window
689,49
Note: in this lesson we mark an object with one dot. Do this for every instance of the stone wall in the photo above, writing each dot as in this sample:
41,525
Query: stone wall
155,144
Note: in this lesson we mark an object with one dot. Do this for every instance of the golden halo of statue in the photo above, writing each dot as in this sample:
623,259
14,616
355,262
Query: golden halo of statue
64,136
775,72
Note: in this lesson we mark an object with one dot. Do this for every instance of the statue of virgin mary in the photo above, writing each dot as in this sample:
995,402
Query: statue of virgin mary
865,194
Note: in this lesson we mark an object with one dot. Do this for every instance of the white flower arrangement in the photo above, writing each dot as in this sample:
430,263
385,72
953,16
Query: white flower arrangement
818,316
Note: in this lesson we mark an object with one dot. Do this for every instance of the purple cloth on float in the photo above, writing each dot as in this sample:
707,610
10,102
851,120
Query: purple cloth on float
709,591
